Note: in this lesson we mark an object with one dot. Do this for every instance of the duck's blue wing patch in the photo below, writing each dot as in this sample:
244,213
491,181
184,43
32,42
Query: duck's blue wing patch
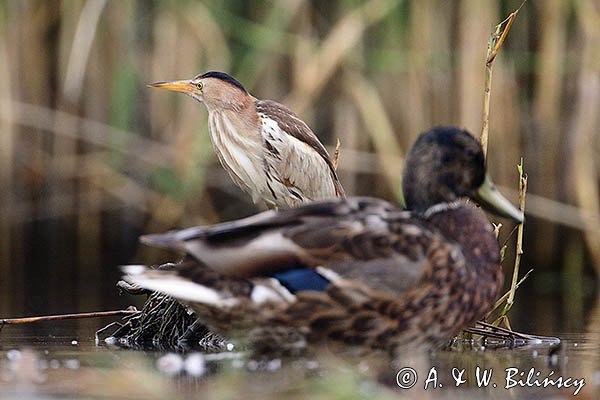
299,279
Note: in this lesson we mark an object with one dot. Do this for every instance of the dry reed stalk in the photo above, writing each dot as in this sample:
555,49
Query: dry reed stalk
7,142
88,208
495,43
257,66
421,42
42,118
209,36
519,249
378,126
475,19
509,296
304,46
80,48
340,41
78,30
443,64
184,123
546,127
64,317
31,33
168,62
550,69
584,128
506,295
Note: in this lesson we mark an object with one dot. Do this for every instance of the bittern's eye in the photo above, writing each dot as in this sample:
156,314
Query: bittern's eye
198,85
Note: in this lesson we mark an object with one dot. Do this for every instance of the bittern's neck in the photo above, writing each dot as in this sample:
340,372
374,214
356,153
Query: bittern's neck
241,110
237,102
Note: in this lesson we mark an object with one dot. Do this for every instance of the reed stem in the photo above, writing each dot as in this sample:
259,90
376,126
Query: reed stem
62,317
495,43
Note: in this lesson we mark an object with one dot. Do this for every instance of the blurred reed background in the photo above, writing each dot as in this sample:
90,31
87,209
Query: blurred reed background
91,158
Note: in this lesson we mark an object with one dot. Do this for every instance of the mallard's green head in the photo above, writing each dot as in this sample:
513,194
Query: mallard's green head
446,164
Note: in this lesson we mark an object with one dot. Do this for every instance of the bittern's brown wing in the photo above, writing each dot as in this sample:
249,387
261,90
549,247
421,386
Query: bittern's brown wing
357,238
295,155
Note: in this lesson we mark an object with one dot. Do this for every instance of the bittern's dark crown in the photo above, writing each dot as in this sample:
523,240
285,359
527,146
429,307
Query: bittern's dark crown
224,77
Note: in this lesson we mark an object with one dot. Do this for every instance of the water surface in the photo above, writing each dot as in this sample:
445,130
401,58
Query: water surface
54,363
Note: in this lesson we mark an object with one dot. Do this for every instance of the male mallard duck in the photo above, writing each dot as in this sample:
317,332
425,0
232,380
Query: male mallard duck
359,270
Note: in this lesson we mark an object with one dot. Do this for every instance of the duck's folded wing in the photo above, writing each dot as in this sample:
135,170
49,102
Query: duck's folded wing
354,237
268,220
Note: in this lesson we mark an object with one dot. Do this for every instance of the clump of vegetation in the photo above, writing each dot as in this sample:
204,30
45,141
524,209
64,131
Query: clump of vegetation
162,323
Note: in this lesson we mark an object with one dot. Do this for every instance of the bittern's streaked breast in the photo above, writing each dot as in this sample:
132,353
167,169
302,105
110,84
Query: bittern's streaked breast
267,149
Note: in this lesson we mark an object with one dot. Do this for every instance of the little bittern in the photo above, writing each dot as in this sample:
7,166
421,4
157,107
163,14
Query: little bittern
267,150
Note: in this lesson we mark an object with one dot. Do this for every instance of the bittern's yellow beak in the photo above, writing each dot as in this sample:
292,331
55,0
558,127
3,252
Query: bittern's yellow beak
185,86
490,198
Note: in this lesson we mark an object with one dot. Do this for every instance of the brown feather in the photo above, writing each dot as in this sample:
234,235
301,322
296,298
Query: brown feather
294,126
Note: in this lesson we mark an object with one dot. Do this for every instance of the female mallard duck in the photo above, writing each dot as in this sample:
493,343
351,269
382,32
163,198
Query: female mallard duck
359,270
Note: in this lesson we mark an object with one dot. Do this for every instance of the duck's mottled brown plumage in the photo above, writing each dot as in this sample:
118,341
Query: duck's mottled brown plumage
394,277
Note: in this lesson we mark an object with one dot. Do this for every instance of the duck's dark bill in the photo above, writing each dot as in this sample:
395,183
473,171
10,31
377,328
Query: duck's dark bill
492,200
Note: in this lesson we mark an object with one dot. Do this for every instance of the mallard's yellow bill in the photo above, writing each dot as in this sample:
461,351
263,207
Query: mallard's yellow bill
492,200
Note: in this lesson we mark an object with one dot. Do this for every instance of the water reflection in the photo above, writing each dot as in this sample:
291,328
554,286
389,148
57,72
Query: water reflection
54,363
